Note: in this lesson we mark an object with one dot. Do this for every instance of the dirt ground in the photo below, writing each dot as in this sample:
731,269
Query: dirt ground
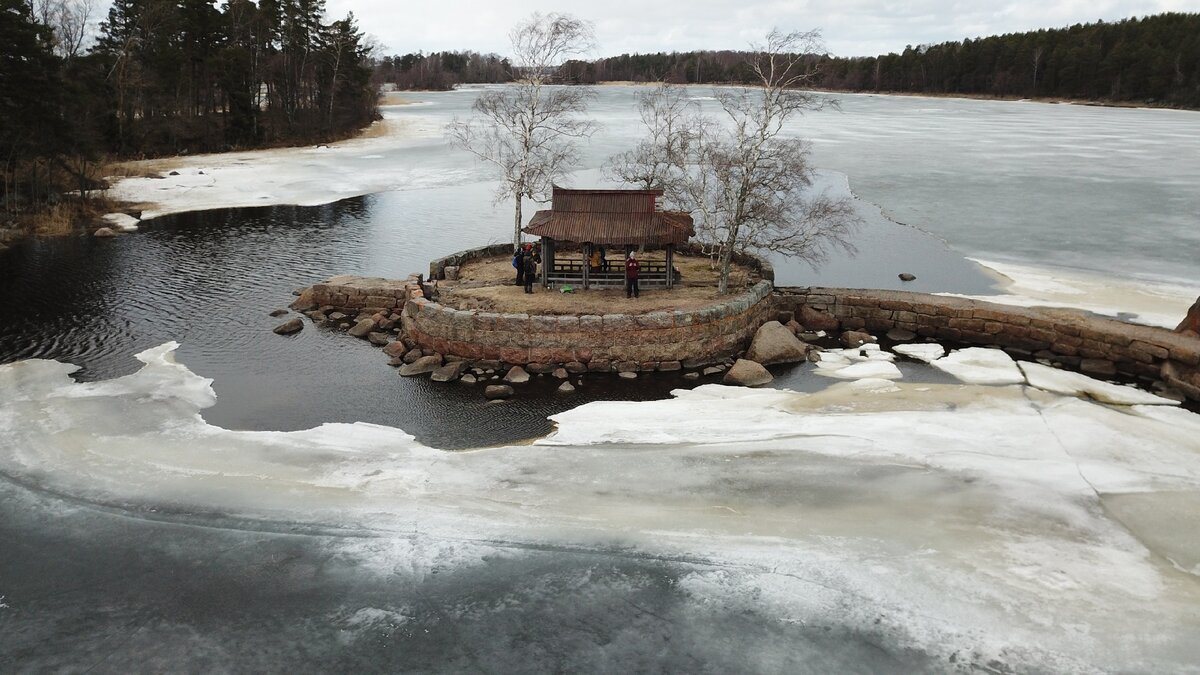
500,294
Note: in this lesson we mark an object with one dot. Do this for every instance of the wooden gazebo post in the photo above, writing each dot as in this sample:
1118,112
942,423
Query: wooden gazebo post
586,269
670,266
547,260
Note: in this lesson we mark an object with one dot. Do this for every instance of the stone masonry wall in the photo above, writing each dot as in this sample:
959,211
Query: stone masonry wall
437,268
1077,340
600,341
349,293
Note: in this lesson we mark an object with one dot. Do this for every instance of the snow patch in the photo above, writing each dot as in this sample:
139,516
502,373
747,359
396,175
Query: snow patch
1078,384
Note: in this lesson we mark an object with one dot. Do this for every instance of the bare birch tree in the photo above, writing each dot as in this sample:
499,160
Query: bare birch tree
529,130
747,184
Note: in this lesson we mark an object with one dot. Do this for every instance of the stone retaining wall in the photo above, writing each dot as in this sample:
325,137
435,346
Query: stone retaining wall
437,268
349,293
1077,340
709,333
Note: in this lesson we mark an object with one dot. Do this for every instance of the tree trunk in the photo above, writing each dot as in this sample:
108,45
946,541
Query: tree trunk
726,260
517,220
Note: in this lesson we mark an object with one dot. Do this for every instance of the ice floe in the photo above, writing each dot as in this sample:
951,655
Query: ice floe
979,365
950,519
926,352
1075,384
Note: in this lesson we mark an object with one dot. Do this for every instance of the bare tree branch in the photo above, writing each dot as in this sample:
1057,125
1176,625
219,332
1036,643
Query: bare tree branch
528,131
747,187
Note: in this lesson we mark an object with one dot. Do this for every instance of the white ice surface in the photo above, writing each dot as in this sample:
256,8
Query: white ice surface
1075,384
121,221
1154,303
978,365
970,520
306,176
926,352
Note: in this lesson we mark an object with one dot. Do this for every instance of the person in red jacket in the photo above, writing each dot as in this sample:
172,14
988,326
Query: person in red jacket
632,268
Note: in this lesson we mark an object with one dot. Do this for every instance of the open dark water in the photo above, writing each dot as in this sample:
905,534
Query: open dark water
209,279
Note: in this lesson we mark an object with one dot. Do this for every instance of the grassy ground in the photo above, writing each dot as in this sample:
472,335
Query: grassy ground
699,288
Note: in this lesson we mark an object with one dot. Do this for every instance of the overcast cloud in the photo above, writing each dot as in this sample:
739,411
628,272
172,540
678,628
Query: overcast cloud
850,27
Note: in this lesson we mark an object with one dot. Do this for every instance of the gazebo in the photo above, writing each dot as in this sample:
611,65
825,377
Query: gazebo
618,220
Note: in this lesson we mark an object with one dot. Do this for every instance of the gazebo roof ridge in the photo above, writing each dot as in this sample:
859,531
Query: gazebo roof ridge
611,217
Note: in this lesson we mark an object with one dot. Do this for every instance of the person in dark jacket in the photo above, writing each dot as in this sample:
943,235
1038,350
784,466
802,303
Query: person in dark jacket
530,263
518,262
632,269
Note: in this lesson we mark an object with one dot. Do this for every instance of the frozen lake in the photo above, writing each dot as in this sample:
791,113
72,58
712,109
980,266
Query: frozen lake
163,521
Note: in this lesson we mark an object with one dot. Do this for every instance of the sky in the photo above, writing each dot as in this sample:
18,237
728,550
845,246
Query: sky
849,27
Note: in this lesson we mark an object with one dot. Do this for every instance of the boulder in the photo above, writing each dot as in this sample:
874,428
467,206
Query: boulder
627,367
747,374
669,366
565,388
905,276
516,375
595,366
576,367
336,316
449,372
378,339
900,335
396,348
497,391
691,376
304,301
796,328
104,232
423,365
1191,322
773,343
714,370
413,355
362,328
855,338
627,375
289,327
784,316
468,379
816,320
539,368
278,312
560,373
395,362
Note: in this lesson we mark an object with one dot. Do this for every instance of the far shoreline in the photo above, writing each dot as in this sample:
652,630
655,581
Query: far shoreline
1050,100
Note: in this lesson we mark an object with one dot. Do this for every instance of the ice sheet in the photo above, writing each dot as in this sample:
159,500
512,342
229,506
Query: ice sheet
1154,303
978,365
956,519
921,351
1076,384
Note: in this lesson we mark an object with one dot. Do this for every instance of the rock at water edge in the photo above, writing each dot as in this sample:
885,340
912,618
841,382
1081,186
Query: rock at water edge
396,349
565,388
774,343
377,339
497,391
561,373
747,374
854,338
449,372
104,232
906,276
278,312
363,327
468,379
516,375
423,365
289,327
901,335
627,375
691,376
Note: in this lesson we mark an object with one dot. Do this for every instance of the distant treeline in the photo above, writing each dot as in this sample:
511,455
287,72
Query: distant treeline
167,77
1150,60
442,70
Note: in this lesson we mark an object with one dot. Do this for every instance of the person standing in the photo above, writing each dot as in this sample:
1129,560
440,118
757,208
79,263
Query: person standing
530,263
518,262
632,269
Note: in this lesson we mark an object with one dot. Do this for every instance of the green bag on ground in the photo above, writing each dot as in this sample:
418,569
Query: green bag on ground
567,289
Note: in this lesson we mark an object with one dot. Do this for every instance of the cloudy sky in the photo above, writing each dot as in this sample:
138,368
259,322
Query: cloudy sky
850,27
